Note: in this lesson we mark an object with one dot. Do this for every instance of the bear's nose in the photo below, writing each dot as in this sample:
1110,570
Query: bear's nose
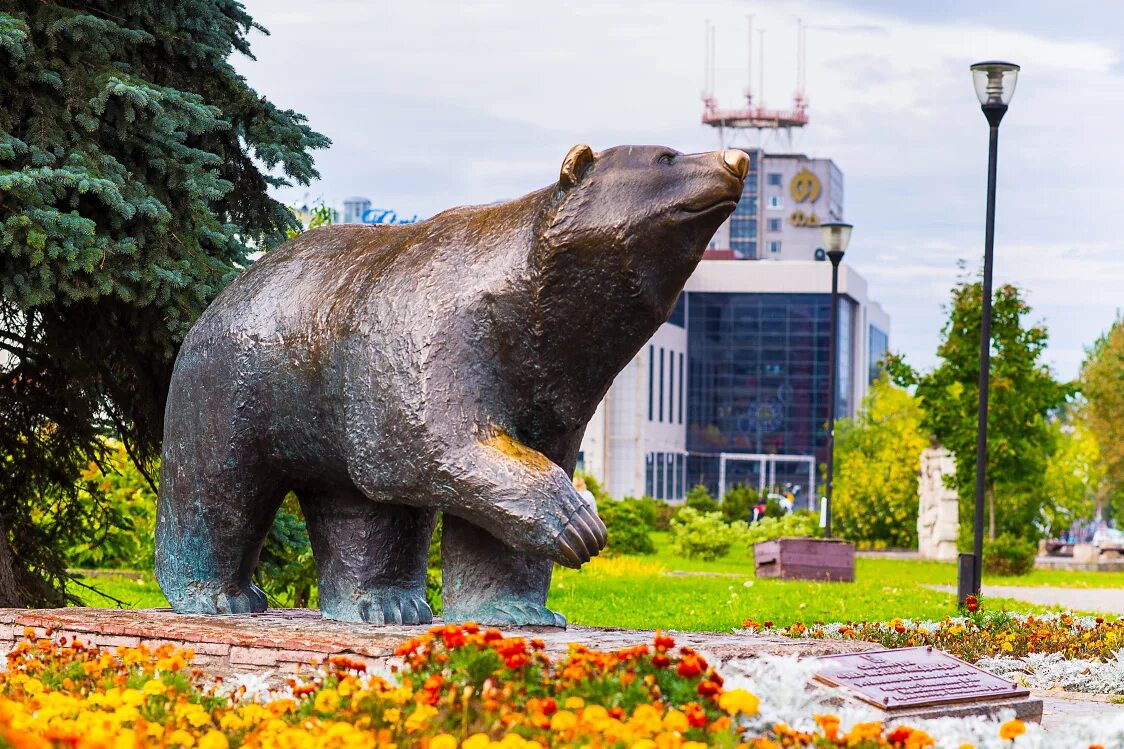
736,161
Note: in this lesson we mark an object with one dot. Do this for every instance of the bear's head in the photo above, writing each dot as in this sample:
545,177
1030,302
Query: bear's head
634,221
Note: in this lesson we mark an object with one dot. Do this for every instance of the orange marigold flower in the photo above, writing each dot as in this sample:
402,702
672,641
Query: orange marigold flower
1012,729
696,716
663,642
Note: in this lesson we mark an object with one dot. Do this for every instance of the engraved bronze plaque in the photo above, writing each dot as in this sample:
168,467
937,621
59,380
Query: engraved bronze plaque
913,677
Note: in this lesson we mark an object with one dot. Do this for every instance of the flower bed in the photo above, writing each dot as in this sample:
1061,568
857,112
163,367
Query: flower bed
456,687
979,635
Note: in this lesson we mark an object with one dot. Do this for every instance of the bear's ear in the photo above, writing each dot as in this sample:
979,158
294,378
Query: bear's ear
574,165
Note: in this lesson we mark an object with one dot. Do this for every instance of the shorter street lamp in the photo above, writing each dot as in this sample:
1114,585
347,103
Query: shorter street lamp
995,85
836,237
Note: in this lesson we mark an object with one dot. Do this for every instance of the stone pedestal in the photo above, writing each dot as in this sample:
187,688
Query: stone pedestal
938,513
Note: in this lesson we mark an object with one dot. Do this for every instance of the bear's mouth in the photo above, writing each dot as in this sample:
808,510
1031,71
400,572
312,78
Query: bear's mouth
726,204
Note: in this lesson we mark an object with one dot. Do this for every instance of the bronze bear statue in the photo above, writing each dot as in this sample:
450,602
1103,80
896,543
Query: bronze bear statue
385,374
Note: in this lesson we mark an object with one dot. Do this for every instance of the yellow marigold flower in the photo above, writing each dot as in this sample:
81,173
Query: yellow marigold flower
132,697
327,700
693,745
182,738
675,720
563,720
477,741
644,744
739,701
1012,729
417,719
574,703
213,740
393,715
443,741
33,686
154,687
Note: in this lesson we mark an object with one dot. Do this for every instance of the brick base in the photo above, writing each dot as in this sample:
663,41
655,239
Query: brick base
281,641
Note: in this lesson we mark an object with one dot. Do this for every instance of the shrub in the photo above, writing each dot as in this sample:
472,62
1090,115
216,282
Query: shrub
705,535
1009,554
286,570
738,502
628,532
773,508
799,524
647,508
699,499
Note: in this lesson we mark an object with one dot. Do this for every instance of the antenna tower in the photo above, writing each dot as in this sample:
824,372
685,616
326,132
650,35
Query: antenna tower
754,116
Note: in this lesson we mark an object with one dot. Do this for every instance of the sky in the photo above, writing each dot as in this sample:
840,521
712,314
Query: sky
432,104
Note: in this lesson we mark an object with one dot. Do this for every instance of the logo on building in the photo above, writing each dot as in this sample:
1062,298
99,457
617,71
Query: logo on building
805,186
799,218
385,216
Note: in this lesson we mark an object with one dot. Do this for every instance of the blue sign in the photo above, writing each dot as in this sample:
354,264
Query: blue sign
385,216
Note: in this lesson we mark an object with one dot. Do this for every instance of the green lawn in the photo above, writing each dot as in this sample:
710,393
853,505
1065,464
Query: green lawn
650,592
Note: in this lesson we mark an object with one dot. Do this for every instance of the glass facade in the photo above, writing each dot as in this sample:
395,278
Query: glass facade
743,221
877,345
757,379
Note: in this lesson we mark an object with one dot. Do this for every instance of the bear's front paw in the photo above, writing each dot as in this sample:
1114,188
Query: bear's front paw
509,614
380,607
581,535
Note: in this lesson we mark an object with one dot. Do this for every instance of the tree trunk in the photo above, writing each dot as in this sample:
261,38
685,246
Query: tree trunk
11,593
991,514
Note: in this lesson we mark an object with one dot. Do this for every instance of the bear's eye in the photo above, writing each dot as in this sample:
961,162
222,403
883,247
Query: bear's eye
665,158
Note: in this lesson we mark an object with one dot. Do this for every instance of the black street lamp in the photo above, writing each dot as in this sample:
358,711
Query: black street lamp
995,85
836,237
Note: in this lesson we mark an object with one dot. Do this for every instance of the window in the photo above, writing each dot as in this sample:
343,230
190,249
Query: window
773,224
680,388
649,477
776,202
774,246
877,346
670,387
773,179
651,377
661,384
659,476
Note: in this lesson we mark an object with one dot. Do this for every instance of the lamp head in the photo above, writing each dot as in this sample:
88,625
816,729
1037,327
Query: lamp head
836,236
995,83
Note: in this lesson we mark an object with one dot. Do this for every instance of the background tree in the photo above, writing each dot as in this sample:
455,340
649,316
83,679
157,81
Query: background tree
1023,393
877,459
134,167
1076,478
1102,386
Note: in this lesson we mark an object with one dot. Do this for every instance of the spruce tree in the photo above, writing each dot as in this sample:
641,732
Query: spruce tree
134,167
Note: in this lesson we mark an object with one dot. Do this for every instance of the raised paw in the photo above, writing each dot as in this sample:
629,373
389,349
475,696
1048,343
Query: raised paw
380,607
512,613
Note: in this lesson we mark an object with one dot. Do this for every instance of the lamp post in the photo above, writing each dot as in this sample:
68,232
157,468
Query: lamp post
995,85
836,236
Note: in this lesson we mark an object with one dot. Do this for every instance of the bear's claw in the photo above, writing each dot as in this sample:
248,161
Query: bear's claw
581,538
200,599
381,607
513,614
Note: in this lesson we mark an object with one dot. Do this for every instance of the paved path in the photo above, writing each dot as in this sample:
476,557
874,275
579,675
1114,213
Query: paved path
1107,600
1057,711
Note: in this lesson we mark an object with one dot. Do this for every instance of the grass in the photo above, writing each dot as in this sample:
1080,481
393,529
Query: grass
645,592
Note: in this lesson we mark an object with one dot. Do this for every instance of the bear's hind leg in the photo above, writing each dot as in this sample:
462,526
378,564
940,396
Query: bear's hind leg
370,557
487,582
210,528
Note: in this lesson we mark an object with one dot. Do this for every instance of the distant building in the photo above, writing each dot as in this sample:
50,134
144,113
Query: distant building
740,367
785,199
354,208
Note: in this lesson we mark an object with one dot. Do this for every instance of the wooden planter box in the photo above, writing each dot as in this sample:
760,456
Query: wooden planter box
805,559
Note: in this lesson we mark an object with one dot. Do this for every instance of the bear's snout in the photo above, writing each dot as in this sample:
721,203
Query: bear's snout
736,161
